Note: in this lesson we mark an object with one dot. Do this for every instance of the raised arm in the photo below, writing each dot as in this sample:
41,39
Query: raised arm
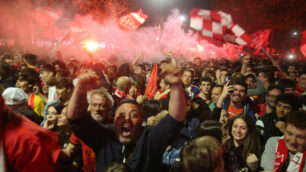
177,103
78,102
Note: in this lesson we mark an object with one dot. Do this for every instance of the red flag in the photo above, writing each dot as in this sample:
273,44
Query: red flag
133,20
152,83
218,25
261,38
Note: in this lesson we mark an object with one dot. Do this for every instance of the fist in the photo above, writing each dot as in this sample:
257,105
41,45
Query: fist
171,74
88,81
281,126
252,161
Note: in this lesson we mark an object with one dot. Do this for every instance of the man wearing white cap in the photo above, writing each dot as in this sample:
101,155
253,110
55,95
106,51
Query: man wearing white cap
16,99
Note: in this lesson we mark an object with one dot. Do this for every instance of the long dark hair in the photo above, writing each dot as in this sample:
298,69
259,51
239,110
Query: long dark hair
252,141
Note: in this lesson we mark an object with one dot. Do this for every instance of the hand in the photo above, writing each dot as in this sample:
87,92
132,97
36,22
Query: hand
51,121
88,81
227,89
281,126
171,74
252,161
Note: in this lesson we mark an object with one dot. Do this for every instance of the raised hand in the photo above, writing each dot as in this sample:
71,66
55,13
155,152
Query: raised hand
171,74
88,81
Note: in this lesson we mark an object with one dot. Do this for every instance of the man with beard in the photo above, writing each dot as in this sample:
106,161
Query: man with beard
100,104
238,102
273,124
127,141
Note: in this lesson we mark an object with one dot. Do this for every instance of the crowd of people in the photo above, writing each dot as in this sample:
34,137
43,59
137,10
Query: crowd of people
246,114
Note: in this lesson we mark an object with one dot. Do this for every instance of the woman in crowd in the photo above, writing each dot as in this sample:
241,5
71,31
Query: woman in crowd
57,121
242,150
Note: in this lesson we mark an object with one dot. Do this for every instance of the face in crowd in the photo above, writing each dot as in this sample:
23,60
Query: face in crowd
128,121
295,139
205,87
239,94
239,130
302,81
187,78
98,107
163,85
24,85
46,76
133,91
215,94
272,96
250,82
282,109
62,120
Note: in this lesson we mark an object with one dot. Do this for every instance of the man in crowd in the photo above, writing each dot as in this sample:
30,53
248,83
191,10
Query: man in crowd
100,105
164,90
215,93
26,82
269,107
187,79
238,101
301,84
287,153
128,142
273,124
47,75
205,88
16,99
287,86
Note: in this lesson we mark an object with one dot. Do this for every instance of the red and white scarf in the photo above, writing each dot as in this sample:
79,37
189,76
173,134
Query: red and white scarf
296,164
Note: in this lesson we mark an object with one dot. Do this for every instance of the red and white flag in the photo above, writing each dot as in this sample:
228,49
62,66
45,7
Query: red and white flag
133,20
218,25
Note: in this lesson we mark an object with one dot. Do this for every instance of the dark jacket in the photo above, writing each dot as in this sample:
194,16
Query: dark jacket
143,155
266,126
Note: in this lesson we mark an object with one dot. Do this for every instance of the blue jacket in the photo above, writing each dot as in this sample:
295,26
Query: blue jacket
247,108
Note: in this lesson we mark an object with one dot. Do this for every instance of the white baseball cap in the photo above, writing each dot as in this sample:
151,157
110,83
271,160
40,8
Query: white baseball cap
14,96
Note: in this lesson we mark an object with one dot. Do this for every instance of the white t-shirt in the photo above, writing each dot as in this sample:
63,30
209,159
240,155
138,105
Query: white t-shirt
51,94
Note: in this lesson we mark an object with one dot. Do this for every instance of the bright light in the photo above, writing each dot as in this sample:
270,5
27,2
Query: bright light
295,33
183,18
291,56
91,45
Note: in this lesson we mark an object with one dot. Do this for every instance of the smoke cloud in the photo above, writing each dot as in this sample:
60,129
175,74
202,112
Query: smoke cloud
37,29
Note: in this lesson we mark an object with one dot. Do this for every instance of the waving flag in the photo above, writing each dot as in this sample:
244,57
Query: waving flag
261,38
151,88
218,25
133,20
